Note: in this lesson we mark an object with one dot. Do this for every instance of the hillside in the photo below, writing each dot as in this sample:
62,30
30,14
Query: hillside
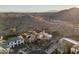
63,21
22,21
70,15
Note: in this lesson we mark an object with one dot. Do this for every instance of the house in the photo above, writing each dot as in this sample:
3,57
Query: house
31,36
44,35
65,44
69,40
75,49
15,41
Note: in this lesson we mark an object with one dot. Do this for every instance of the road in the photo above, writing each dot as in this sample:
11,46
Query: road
52,46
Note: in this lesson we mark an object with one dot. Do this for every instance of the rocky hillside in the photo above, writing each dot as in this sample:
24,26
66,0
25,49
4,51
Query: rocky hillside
62,21
70,15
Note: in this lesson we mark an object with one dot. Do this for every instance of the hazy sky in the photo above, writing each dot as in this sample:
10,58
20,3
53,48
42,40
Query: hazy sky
33,8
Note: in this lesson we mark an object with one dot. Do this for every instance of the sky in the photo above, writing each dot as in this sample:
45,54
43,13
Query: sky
34,8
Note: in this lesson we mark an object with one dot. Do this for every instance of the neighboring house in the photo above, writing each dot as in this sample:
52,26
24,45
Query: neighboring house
65,44
15,41
75,49
45,35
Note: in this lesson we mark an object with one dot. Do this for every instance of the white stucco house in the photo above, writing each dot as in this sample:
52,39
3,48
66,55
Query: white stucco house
15,41
69,40
43,34
66,44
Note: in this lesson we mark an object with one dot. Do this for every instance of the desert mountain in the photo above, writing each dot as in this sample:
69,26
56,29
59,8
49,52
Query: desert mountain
70,15
62,21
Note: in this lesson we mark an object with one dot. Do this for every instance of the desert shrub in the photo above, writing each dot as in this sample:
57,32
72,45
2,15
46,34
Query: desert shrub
5,37
56,34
